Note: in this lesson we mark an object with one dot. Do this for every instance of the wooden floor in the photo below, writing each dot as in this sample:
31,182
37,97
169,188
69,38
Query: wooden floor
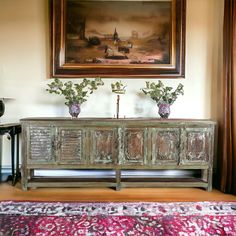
8,192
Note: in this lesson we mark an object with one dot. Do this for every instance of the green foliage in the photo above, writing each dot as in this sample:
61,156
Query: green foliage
161,93
118,88
73,92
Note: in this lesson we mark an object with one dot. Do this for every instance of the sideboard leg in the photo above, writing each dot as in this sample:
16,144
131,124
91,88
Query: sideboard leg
118,180
24,184
17,175
118,187
209,187
24,178
24,187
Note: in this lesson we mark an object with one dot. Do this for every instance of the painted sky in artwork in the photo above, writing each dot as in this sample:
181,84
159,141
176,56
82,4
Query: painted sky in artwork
114,32
102,17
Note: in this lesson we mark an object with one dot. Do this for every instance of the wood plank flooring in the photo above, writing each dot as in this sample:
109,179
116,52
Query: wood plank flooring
8,192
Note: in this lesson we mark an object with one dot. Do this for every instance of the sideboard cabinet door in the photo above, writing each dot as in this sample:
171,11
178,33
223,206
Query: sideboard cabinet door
103,145
133,147
197,146
71,145
40,144
165,146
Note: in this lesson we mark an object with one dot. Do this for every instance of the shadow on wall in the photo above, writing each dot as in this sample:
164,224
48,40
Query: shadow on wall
144,106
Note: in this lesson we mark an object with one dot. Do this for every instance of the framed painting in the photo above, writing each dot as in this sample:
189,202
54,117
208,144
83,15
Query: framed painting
118,38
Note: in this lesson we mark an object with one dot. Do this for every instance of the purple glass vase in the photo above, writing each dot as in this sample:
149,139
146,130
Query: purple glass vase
74,110
164,110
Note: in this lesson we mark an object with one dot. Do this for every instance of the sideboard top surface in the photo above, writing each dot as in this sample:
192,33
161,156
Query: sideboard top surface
115,120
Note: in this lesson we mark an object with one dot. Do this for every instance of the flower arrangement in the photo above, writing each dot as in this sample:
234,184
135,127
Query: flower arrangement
74,92
161,93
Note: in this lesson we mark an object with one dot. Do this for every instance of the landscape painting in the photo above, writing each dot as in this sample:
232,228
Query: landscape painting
111,38
118,32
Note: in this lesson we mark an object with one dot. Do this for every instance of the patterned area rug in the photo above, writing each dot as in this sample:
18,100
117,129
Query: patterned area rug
117,219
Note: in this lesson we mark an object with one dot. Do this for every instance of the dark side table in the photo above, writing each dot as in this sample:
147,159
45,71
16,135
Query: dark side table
13,130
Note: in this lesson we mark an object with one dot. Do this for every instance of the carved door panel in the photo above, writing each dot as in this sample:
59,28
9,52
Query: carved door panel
197,145
103,146
165,145
40,144
134,146
71,145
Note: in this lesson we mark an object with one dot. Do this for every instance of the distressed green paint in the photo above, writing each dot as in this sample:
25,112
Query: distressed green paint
118,144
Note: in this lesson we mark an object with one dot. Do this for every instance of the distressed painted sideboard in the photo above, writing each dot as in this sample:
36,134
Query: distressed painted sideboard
117,144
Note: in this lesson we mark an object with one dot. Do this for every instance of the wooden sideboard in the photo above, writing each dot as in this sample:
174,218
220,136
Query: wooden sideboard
117,144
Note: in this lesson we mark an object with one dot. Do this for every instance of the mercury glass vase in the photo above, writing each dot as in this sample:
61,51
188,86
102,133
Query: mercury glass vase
74,110
164,110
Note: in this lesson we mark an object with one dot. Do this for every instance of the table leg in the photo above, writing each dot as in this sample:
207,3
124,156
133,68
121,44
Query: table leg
0,158
12,130
13,157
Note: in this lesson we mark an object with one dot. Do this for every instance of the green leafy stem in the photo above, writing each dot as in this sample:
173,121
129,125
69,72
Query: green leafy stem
74,92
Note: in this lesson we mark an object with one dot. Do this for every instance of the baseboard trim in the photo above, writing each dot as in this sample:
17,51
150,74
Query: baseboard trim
5,171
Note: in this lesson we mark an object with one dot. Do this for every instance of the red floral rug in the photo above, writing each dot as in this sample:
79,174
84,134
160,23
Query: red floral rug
117,219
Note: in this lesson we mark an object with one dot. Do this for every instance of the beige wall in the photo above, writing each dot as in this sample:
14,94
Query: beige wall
24,67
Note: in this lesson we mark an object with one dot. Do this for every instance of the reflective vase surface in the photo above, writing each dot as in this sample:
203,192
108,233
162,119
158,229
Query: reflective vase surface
164,110
74,110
